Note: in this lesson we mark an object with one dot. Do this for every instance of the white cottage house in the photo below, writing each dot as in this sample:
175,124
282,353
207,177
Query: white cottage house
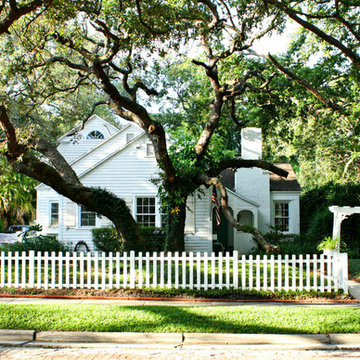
123,162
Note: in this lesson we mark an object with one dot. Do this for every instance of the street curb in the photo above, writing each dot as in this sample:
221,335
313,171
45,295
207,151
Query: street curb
184,340
330,301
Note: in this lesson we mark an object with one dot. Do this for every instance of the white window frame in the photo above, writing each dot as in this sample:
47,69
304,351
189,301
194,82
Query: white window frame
80,217
132,135
50,214
150,154
156,207
287,203
88,137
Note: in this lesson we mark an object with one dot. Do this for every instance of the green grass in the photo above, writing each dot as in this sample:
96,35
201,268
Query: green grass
224,319
354,269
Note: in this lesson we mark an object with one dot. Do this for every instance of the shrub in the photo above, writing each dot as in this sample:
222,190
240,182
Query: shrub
317,220
156,237
289,243
37,243
300,244
328,244
107,240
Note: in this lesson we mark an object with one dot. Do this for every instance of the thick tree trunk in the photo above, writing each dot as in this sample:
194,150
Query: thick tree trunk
176,227
257,236
116,210
62,178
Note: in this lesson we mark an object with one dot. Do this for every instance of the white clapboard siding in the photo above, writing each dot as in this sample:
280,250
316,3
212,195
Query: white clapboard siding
129,202
124,170
190,225
129,172
325,273
105,222
200,240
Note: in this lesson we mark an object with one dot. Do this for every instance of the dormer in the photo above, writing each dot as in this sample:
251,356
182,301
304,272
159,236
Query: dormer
84,137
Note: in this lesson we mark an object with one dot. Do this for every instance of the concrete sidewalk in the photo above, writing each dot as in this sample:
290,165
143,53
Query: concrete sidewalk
354,289
30,338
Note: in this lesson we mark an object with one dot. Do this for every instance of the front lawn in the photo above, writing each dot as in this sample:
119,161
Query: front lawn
223,319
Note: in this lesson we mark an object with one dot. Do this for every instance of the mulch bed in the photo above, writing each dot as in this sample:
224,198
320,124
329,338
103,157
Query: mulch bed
141,294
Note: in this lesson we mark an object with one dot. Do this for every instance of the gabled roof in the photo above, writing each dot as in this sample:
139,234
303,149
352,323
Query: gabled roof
80,126
100,144
118,131
277,183
141,135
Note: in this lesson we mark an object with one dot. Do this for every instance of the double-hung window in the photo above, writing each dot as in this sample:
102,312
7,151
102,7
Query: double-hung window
54,214
150,150
282,216
87,217
145,211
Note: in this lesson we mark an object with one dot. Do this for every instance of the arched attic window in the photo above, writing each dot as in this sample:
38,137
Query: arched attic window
95,134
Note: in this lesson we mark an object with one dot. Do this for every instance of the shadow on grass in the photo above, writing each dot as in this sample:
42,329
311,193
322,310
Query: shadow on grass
243,320
161,319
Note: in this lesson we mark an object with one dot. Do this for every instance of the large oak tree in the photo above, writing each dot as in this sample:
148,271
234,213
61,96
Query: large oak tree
109,47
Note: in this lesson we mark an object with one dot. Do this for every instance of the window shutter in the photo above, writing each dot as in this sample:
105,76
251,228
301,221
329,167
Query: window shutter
190,215
129,203
70,215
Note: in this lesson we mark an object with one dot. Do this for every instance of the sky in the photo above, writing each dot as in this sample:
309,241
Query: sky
277,43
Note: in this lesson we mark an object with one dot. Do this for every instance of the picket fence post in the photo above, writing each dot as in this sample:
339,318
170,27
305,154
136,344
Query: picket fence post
132,269
200,271
31,268
344,272
2,281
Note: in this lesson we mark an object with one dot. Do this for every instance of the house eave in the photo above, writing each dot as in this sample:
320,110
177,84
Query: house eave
243,198
141,135
99,145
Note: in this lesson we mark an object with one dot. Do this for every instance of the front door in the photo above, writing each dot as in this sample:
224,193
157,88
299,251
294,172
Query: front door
224,233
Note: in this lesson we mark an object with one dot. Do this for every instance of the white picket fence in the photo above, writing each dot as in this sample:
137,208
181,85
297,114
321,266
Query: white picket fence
194,271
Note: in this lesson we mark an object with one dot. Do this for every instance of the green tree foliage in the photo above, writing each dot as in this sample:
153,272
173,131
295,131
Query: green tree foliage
109,49
17,196
314,116
317,220
121,54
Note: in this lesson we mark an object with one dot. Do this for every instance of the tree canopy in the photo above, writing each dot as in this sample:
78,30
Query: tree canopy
64,58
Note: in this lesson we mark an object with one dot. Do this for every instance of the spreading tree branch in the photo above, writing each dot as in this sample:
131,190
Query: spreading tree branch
64,180
352,55
257,236
14,149
329,104
149,28
238,163
17,11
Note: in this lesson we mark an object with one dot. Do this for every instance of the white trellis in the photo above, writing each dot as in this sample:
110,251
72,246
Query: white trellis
341,213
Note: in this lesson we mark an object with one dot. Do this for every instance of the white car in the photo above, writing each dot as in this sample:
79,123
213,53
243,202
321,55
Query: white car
13,233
